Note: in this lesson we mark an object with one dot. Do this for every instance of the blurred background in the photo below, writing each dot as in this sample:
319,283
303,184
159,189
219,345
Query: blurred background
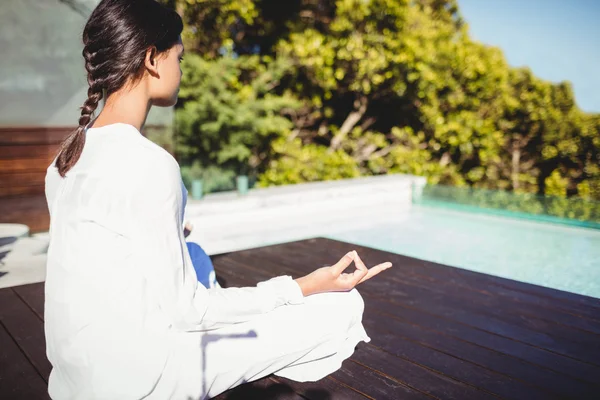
495,95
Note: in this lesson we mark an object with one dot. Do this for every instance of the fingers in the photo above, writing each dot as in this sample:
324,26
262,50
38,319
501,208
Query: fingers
344,262
361,274
361,269
359,263
375,270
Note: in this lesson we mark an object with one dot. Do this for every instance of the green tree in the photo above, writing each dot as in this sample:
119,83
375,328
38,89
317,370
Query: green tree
229,114
303,90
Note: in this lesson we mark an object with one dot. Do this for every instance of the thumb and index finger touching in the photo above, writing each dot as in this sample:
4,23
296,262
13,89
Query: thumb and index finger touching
344,262
362,273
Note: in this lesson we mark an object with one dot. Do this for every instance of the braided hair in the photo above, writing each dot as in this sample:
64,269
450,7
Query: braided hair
116,37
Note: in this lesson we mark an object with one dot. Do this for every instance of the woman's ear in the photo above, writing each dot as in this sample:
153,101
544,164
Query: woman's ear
151,60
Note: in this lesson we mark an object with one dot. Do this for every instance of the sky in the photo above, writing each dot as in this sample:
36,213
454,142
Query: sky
558,39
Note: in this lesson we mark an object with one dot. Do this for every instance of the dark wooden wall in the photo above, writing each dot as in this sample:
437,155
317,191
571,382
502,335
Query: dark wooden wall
25,153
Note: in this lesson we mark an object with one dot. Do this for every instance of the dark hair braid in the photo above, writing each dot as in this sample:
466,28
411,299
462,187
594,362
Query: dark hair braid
115,38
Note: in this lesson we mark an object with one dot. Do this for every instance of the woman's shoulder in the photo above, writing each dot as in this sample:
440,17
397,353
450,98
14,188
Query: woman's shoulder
150,165
142,153
153,158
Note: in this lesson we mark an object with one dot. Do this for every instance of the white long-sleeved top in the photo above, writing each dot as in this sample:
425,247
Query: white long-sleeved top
121,291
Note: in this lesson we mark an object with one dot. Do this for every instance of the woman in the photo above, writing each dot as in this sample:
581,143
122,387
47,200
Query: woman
125,315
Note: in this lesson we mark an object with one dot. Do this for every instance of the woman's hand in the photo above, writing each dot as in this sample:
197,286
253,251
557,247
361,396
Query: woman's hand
333,278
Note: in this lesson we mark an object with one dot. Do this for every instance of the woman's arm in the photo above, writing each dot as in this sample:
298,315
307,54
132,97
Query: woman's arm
233,305
157,234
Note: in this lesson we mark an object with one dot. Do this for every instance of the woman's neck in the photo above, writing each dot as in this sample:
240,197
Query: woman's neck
127,106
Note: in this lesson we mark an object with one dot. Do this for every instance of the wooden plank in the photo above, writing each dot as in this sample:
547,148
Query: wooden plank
37,164
11,152
33,135
454,378
37,190
387,330
327,388
29,210
22,179
26,329
16,204
572,343
262,389
417,376
502,298
33,296
374,384
514,314
534,355
18,378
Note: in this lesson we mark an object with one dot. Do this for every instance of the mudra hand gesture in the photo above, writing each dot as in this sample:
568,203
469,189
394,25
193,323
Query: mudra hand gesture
334,279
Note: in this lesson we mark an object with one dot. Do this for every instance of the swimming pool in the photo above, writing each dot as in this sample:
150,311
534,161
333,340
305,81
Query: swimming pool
546,254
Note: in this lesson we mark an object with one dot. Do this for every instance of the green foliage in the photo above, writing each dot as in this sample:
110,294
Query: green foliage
229,114
214,179
191,173
296,163
299,91
208,24
556,184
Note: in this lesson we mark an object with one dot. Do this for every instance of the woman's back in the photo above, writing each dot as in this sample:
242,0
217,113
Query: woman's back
97,303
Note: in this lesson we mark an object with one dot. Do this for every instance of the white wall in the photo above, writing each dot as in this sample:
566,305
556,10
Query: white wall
42,75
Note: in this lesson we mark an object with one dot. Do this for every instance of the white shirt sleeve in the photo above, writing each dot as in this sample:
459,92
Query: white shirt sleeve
159,245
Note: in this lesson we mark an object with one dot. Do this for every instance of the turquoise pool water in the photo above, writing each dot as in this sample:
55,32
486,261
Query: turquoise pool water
546,254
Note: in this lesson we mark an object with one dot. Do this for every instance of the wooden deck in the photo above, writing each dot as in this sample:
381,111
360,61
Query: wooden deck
437,332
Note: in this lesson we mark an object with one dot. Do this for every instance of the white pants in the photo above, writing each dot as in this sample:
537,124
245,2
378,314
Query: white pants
303,342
